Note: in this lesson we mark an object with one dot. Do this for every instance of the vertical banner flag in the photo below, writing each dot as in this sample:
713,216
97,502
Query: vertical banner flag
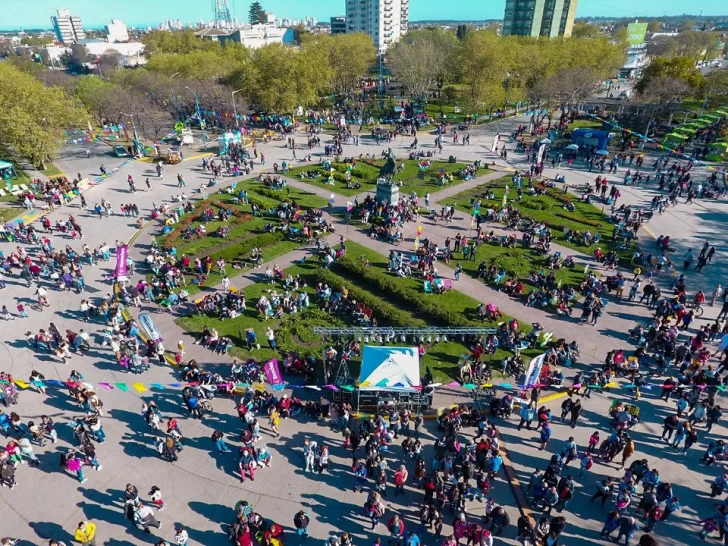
272,372
121,253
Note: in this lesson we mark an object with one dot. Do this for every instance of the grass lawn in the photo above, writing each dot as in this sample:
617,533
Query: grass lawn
246,231
519,261
293,332
366,172
547,208
51,170
406,306
10,207
407,295
587,123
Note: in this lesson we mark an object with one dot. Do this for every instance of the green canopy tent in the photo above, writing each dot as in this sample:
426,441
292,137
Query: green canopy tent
673,139
717,151
7,171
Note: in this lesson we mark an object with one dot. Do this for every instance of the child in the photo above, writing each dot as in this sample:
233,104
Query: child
586,463
156,495
593,442
6,314
21,311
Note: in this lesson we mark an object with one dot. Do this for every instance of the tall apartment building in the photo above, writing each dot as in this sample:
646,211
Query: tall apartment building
338,25
67,27
386,21
539,17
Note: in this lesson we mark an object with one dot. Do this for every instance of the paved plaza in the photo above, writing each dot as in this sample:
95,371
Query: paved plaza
202,487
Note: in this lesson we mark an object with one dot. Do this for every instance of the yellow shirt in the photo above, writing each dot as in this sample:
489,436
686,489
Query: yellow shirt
87,534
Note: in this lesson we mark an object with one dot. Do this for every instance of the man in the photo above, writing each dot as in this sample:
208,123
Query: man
86,533
301,521
688,259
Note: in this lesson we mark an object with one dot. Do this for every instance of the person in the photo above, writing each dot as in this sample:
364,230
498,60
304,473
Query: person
181,537
499,520
628,451
400,477
627,527
604,491
144,517
156,495
395,526
86,533
301,520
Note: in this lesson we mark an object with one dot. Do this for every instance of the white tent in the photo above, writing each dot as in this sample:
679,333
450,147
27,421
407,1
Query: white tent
389,368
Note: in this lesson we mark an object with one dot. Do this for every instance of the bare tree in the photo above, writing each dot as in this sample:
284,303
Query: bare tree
563,90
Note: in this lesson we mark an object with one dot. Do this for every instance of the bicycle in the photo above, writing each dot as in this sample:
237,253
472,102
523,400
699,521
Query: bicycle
205,406
696,307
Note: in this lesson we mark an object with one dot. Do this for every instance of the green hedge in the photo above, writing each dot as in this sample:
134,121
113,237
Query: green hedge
392,286
576,218
385,312
234,251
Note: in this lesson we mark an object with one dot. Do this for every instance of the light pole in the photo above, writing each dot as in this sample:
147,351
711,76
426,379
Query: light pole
235,112
199,114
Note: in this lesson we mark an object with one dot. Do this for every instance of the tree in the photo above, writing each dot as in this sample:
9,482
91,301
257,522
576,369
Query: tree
679,68
462,32
421,57
654,26
585,30
110,61
349,57
257,14
280,78
33,117
482,65
37,41
716,87
687,25
201,64
563,90
179,41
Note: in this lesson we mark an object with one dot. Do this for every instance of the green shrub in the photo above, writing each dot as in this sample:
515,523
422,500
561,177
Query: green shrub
534,205
390,285
386,313
576,218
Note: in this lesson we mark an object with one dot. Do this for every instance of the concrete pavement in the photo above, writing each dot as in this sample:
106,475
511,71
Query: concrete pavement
201,488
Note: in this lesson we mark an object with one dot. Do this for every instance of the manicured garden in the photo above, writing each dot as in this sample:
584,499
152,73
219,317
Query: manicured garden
548,209
394,301
246,230
412,174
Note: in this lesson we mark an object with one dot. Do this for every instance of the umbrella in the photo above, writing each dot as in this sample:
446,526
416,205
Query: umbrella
572,147
546,141
602,152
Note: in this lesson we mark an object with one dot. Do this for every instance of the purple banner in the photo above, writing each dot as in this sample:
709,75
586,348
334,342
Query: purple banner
272,372
121,254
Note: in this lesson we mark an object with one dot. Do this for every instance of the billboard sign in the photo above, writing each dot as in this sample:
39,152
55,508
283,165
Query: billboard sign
636,33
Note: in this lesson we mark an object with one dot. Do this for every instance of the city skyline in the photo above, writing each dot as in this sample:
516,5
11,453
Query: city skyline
136,13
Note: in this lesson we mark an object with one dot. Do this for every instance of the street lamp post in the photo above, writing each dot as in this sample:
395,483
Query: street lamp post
235,112
199,114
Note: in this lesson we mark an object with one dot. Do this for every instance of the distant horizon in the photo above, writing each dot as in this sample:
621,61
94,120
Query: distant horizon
94,15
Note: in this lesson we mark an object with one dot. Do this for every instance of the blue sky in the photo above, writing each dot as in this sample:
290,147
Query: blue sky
95,13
